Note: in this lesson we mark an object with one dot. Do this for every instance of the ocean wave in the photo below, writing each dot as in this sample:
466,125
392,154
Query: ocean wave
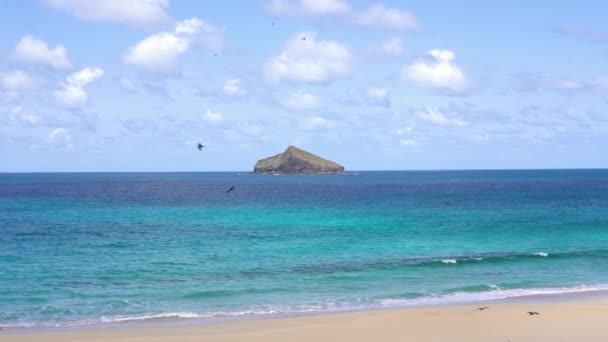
459,297
497,257
492,295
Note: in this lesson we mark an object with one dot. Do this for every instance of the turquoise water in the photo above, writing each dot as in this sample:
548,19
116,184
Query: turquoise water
92,248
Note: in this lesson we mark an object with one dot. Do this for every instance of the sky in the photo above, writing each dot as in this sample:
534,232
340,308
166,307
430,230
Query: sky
134,85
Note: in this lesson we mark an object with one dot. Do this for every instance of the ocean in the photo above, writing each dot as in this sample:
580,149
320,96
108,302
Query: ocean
93,248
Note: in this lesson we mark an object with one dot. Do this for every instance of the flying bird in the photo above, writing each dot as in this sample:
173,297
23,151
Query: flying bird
230,190
303,38
532,313
200,146
482,308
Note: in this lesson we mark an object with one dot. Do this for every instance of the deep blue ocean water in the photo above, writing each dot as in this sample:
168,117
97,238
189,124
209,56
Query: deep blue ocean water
86,248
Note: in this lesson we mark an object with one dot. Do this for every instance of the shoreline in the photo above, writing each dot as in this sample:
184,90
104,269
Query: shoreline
557,320
575,297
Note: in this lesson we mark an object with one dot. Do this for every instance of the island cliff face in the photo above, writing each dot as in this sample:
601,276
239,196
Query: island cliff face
296,161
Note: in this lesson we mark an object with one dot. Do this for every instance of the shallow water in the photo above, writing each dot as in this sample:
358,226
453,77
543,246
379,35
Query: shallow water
80,248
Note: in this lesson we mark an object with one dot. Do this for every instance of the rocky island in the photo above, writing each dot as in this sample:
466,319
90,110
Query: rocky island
296,161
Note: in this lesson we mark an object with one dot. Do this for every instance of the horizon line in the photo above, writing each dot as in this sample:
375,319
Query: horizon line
346,172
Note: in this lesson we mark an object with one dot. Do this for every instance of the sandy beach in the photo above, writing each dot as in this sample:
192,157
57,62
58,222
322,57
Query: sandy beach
567,320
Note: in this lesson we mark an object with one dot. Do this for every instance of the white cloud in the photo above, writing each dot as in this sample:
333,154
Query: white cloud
304,59
300,101
308,7
393,47
212,117
199,31
391,18
21,117
435,117
17,80
233,87
60,137
127,84
316,123
531,82
35,51
404,130
378,96
599,84
160,52
568,86
72,93
441,73
408,142
134,12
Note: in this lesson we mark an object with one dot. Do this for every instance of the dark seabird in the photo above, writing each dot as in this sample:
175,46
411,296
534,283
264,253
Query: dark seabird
482,308
230,190
532,313
200,146
303,38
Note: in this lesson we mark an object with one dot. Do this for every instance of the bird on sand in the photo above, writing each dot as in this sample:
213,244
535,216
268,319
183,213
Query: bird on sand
532,313
482,308
200,146
230,190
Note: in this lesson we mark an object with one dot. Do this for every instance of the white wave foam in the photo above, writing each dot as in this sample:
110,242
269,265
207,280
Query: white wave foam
496,294
449,261
541,254
330,306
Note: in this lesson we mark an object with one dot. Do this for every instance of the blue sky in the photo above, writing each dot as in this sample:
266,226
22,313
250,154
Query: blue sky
134,85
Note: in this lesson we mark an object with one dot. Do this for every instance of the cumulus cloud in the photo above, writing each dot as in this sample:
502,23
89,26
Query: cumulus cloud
308,7
212,117
379,16
435,117
158,52
439,73
16,80
161,51
393,47
316,123
72,93
300,101
233,87
309,60
36,51
133,12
